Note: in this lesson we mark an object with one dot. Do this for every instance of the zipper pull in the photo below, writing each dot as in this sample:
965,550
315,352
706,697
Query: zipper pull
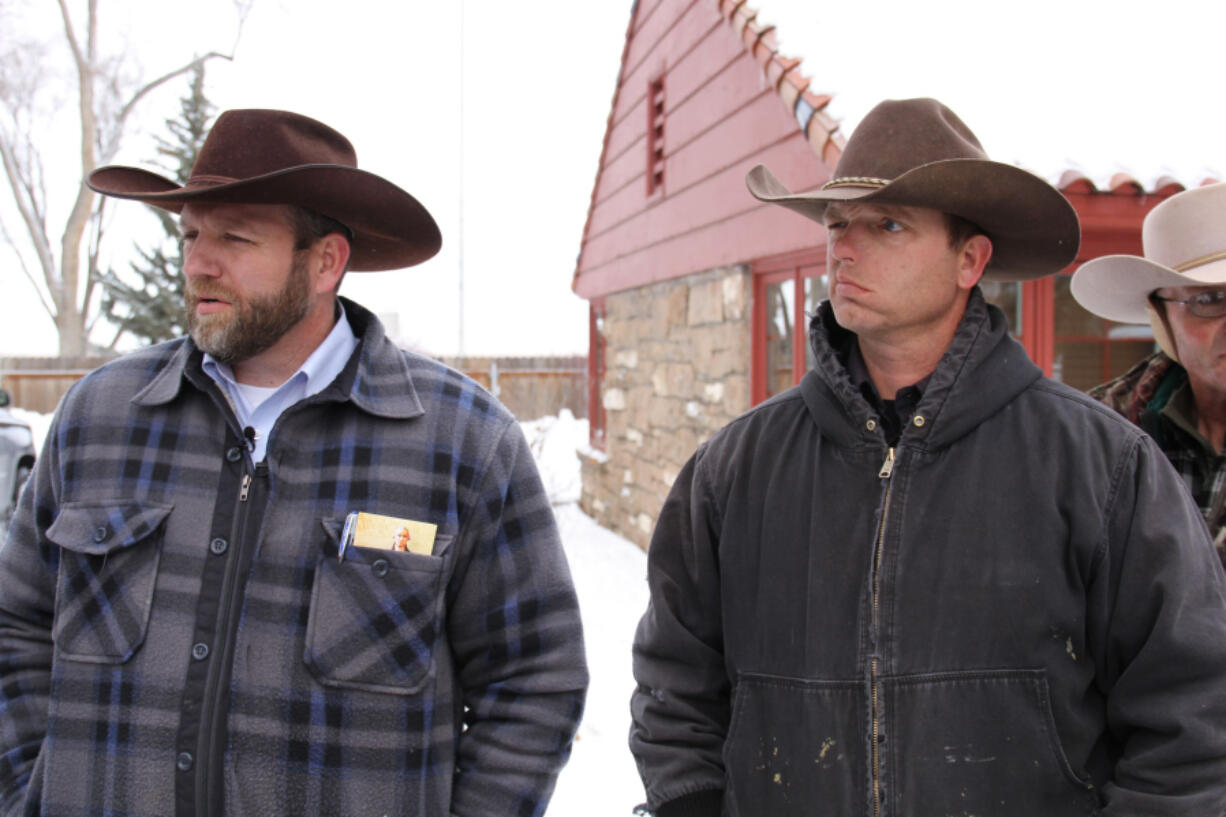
246,486
887,467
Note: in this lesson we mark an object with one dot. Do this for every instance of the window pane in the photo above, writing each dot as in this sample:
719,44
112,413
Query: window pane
780,303
1008,296
1088,349
1070,317
816,291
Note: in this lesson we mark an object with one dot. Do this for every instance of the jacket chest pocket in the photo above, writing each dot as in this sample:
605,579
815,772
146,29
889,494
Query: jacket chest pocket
109,554
375,619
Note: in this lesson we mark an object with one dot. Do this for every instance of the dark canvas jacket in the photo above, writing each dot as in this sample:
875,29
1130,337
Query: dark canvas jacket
1155,395
1017,613
178,637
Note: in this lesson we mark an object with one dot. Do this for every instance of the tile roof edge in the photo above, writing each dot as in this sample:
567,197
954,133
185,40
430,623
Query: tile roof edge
808,108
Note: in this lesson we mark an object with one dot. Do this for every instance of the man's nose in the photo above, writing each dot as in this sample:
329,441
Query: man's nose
843,243
198,260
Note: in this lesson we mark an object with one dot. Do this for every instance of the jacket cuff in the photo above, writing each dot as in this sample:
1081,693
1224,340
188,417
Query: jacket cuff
706,803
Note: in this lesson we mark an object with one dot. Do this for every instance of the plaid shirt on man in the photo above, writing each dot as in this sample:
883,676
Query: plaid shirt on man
1155,395
178,636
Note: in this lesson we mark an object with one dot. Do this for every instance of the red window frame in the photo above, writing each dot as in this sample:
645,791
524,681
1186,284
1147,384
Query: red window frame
795,267
596,368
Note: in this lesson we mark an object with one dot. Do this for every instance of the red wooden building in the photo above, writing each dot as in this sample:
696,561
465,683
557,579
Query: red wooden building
699,293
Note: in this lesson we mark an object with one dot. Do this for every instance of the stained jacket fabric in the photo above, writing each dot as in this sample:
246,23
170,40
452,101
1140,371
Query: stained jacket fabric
1019,614
1155,395
178,637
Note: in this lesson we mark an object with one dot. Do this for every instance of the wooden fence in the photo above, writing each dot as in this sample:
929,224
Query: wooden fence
531,387
38,383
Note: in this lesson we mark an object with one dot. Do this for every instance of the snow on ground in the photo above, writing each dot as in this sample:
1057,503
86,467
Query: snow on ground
610,579
38,424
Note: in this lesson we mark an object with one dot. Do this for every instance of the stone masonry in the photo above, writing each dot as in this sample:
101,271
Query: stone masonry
677,370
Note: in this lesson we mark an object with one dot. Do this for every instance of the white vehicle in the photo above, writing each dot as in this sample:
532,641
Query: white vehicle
16,457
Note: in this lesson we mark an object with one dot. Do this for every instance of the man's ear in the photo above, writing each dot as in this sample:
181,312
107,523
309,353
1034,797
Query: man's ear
330,256
973,258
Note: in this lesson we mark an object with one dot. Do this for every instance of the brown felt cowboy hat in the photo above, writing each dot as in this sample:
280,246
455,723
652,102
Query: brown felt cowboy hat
918,153
278,157
1184,241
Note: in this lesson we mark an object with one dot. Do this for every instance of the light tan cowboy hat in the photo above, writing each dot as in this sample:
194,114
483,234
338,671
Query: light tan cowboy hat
1184,241
278,157
918,153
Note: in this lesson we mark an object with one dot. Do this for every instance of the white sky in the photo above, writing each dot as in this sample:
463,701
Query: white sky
1048,85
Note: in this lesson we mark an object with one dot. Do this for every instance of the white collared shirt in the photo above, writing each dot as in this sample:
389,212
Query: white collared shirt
258,408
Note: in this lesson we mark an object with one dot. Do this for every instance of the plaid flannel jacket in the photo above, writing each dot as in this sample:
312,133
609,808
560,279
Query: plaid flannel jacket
177,635
1143,395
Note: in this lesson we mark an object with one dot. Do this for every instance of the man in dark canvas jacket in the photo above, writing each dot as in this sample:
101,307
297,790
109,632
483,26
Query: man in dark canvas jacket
929,580
201,610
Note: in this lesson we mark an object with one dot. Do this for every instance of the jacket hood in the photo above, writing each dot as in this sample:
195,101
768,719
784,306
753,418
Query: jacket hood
983,369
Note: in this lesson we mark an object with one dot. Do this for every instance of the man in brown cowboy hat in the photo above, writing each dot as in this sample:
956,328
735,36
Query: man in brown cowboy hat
928,580
186,627
1178,394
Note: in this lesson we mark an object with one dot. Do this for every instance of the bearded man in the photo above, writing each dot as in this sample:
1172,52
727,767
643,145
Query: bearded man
188,625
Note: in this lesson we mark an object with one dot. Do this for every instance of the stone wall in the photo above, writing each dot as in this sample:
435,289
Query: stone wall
677,370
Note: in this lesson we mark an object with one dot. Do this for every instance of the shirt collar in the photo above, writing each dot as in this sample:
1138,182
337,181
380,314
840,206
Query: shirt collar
316,372
380,379
857,370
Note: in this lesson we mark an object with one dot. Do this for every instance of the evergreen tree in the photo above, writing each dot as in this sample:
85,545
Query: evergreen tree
148,302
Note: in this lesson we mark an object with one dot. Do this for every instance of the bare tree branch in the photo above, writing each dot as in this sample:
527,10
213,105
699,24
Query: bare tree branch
106,99
25,270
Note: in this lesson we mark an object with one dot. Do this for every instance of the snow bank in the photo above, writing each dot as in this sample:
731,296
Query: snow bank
39,423
610,576
555,442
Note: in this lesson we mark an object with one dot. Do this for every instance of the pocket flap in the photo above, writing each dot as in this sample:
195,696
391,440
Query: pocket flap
96,528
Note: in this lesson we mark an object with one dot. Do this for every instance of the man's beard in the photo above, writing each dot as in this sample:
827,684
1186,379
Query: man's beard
252,324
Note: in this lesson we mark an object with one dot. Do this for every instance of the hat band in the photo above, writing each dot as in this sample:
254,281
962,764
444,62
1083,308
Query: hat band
855,181
1200,262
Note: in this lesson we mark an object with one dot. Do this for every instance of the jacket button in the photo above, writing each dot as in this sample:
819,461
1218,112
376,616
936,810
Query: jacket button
184,761
918,420
234,454
380,567
218,546
101,533
200,651
871,425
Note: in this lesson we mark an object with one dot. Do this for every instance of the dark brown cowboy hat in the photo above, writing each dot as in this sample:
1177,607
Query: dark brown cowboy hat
278,157
918,153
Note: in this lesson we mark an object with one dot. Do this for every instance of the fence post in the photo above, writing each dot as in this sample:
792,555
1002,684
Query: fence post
494,390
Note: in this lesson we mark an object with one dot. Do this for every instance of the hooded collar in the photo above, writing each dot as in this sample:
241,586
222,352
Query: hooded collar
981,371
377,378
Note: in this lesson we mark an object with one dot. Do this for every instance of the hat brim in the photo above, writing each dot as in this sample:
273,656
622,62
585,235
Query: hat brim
1117,287
1034,229
391,229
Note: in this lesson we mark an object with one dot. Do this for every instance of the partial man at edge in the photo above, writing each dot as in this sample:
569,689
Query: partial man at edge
186,627
929,580
1177,394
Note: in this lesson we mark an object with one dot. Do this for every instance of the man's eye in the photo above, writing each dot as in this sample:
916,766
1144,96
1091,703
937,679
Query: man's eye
835,225
890,225
236,238
1210,298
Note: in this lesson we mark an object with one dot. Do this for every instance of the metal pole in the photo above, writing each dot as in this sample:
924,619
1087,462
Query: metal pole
460,230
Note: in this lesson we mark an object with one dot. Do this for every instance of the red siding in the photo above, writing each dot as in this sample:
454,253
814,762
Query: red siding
722,117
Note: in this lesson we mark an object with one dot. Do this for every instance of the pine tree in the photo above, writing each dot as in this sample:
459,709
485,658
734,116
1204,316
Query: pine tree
148,302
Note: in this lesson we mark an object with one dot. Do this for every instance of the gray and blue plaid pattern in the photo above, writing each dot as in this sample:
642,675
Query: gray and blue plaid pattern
441,684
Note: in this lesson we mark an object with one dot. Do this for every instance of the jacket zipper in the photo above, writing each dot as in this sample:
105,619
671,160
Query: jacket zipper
885,473
213,712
